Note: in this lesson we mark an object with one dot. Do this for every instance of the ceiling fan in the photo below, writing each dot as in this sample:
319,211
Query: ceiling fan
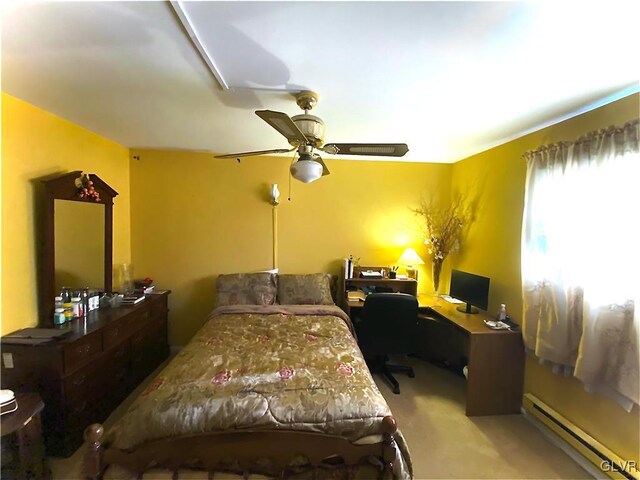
306,133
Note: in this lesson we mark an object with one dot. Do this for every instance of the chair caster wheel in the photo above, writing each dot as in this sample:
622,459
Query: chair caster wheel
396,390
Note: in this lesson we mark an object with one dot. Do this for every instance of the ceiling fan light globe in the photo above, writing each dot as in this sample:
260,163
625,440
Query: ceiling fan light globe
306,171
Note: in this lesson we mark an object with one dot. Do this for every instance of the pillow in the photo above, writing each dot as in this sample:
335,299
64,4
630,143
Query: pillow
310,289
246,289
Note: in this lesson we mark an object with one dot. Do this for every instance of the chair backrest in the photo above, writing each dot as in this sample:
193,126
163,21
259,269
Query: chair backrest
389,324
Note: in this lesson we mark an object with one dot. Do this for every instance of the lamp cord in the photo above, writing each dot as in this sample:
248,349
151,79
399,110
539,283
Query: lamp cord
274,220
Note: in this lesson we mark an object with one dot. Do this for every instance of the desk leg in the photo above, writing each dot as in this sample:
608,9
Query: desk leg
495,375
31,449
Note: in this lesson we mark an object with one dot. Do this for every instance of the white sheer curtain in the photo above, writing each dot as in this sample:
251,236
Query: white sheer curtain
581,260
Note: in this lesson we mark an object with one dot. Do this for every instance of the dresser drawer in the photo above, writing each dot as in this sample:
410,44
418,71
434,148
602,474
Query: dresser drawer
85,384
159,308
79,415
138,319
117,332
117,357
82,351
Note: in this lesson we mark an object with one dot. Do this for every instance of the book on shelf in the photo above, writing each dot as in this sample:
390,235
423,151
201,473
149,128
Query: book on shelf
348,267
356,295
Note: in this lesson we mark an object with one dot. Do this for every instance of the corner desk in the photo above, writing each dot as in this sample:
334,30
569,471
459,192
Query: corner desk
494,358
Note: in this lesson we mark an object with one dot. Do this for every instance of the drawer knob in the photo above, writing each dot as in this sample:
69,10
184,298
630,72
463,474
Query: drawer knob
80,380
83,349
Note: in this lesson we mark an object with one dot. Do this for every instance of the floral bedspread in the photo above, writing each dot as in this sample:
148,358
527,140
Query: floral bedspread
293,367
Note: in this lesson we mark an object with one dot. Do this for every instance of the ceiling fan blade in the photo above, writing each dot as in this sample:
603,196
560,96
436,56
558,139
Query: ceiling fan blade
283,124
257,152
375,149
325,170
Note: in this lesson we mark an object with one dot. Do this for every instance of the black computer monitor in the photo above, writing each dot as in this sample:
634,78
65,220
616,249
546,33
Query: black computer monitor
471,289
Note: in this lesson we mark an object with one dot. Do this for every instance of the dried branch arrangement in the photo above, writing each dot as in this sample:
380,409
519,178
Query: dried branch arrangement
443,226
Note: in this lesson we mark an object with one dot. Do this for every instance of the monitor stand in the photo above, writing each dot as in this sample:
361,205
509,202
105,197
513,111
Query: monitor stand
467,309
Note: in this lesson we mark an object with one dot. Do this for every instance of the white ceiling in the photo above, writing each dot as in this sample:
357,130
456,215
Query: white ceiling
448,78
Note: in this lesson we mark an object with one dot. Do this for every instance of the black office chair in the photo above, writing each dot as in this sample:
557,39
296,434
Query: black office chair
388,326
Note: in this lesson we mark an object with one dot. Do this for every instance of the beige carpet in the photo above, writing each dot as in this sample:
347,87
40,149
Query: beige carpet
444,443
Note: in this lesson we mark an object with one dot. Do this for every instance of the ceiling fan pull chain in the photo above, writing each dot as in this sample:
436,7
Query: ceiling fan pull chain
292,160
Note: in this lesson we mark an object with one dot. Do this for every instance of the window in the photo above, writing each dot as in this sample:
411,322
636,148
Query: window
580,260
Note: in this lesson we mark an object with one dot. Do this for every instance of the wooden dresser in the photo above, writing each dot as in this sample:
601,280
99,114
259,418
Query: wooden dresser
83,377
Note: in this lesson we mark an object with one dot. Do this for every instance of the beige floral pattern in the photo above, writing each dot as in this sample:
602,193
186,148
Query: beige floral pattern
309,289
288,382
246,289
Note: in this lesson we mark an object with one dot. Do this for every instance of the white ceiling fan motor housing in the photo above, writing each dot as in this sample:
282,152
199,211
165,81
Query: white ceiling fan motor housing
312,127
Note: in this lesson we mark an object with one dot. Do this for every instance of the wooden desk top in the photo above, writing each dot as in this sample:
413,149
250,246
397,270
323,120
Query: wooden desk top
29,404
470,323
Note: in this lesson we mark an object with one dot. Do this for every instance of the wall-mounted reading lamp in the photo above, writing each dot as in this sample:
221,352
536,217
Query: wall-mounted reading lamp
275,195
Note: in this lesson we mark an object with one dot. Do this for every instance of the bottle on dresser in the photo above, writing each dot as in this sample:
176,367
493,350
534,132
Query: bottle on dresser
76,305
58,311
502,313
63,309
84,300
65,294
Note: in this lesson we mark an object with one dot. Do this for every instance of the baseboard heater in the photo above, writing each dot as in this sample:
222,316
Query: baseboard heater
604,459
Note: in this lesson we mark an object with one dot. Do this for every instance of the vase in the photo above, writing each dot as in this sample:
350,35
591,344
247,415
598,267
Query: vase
126,279
437,268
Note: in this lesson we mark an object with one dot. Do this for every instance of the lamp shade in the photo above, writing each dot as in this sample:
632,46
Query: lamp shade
275,194
410,257
306,170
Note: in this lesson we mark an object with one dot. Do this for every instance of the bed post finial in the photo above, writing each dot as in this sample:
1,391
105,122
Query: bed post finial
93,456
389,425
389,428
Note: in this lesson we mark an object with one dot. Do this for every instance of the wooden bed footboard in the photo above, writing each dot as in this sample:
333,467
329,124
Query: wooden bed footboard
244,449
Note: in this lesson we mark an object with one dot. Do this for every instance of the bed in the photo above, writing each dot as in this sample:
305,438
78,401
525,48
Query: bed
276,389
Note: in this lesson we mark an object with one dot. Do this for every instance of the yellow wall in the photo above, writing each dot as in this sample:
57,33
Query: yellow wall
190,217
35,144
194,217
493,249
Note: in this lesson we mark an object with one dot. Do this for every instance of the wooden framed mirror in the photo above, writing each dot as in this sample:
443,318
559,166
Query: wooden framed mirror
76,238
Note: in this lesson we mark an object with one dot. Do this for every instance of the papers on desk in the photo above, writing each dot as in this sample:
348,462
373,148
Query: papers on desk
356,296
450,299
497,325
371,274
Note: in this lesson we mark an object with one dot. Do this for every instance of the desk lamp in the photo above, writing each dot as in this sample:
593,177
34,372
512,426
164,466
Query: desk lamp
408,259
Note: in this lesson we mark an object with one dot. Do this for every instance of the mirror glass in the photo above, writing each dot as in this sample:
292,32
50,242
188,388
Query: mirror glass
79,245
